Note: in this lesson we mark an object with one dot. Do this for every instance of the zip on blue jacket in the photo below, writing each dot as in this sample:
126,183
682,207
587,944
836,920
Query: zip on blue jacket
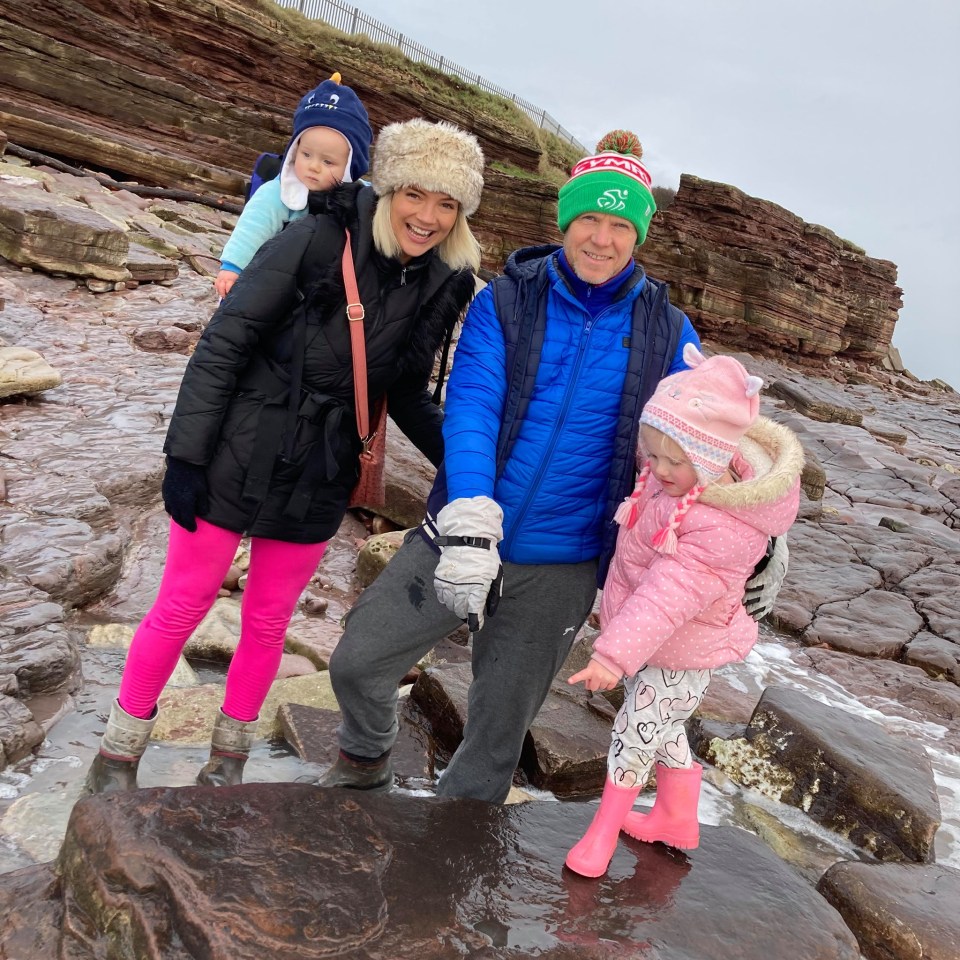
544,400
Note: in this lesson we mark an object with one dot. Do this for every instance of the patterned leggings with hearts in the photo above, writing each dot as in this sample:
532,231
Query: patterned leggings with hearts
650,725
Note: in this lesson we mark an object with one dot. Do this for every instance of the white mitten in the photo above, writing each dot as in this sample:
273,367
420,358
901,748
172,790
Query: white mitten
469,574
765,584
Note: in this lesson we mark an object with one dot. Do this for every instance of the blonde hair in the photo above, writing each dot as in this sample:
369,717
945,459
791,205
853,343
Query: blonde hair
458,249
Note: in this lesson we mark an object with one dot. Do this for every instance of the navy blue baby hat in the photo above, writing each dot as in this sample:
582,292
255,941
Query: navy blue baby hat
334,105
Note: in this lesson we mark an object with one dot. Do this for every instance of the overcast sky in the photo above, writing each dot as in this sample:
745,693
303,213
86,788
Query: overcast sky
846,112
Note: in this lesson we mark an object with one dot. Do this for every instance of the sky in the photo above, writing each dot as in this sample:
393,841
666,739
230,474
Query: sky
846,112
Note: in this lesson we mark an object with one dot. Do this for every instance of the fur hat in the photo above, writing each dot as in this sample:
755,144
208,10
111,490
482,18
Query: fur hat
439,157
612,181
705,410
335,105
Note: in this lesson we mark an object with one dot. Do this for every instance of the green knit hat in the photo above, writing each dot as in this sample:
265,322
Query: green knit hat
612,181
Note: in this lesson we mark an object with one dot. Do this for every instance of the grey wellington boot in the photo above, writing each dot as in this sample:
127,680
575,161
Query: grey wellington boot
114,768
348,773
229,748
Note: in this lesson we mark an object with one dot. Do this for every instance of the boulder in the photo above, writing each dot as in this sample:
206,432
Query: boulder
165,872
376,553
19,732
566,747
898,911
843,770
25,371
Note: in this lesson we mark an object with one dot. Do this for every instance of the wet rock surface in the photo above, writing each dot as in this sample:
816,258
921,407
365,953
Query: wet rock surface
906,911
166,873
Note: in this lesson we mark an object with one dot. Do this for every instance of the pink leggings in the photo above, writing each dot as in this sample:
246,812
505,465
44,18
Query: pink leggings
192,576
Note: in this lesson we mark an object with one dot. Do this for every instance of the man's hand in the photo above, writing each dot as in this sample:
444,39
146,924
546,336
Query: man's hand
767,579
224,282
469,575
595,676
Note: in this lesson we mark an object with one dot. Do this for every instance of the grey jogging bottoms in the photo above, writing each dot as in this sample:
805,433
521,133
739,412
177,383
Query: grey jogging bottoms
516,655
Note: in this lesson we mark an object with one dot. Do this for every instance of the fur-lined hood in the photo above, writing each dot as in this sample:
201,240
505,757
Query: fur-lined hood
768,460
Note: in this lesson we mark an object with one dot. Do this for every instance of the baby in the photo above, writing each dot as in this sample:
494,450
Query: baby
330,145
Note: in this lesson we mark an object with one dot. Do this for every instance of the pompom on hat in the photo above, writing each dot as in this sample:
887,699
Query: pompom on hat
612,181
334,105
438,157
705,410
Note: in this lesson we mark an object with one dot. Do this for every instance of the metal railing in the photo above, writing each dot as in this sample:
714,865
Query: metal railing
353,20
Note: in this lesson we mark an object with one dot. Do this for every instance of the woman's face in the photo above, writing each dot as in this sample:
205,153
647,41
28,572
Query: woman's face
421,219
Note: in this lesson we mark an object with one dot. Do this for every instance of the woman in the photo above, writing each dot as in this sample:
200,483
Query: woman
247,454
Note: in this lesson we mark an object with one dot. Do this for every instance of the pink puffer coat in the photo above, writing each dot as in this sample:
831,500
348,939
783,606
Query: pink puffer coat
684,611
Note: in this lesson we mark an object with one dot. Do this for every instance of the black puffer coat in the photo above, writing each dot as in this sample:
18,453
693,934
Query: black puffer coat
233,412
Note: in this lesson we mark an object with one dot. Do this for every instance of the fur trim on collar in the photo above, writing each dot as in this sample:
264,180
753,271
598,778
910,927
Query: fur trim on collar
776,458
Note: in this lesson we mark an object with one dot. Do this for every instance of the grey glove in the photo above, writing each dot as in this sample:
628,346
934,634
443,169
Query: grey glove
767,579
469,574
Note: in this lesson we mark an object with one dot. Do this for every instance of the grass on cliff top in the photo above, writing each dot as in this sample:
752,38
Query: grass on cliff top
355,52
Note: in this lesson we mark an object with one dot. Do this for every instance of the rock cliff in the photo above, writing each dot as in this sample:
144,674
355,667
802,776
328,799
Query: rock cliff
185,95
748,272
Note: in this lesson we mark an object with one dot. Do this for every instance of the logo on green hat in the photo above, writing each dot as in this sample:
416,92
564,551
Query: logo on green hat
613,200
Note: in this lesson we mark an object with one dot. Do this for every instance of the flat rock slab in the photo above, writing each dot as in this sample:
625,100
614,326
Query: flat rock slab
845,771
876,624
58,235
893,689
901,911
936,592
170,873
817,402
937,657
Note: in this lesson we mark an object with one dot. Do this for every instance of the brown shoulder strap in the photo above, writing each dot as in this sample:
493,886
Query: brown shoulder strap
355,315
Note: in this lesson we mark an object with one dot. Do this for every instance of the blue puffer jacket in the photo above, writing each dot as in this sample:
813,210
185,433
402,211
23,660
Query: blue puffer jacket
544,401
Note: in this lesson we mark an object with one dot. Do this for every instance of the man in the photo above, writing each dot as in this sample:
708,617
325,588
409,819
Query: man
555,362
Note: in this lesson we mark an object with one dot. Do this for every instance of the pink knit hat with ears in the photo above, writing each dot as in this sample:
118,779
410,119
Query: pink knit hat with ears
705,410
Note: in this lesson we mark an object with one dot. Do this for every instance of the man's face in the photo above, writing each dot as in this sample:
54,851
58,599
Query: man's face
599,245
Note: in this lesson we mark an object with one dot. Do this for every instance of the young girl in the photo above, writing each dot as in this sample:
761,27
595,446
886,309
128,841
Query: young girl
249,453
717,482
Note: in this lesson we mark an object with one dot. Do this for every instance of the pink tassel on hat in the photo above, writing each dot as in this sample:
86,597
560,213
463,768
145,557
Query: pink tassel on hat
665,540
628,511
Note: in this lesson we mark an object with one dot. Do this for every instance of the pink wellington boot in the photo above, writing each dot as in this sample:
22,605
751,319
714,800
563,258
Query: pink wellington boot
592,855
673,819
